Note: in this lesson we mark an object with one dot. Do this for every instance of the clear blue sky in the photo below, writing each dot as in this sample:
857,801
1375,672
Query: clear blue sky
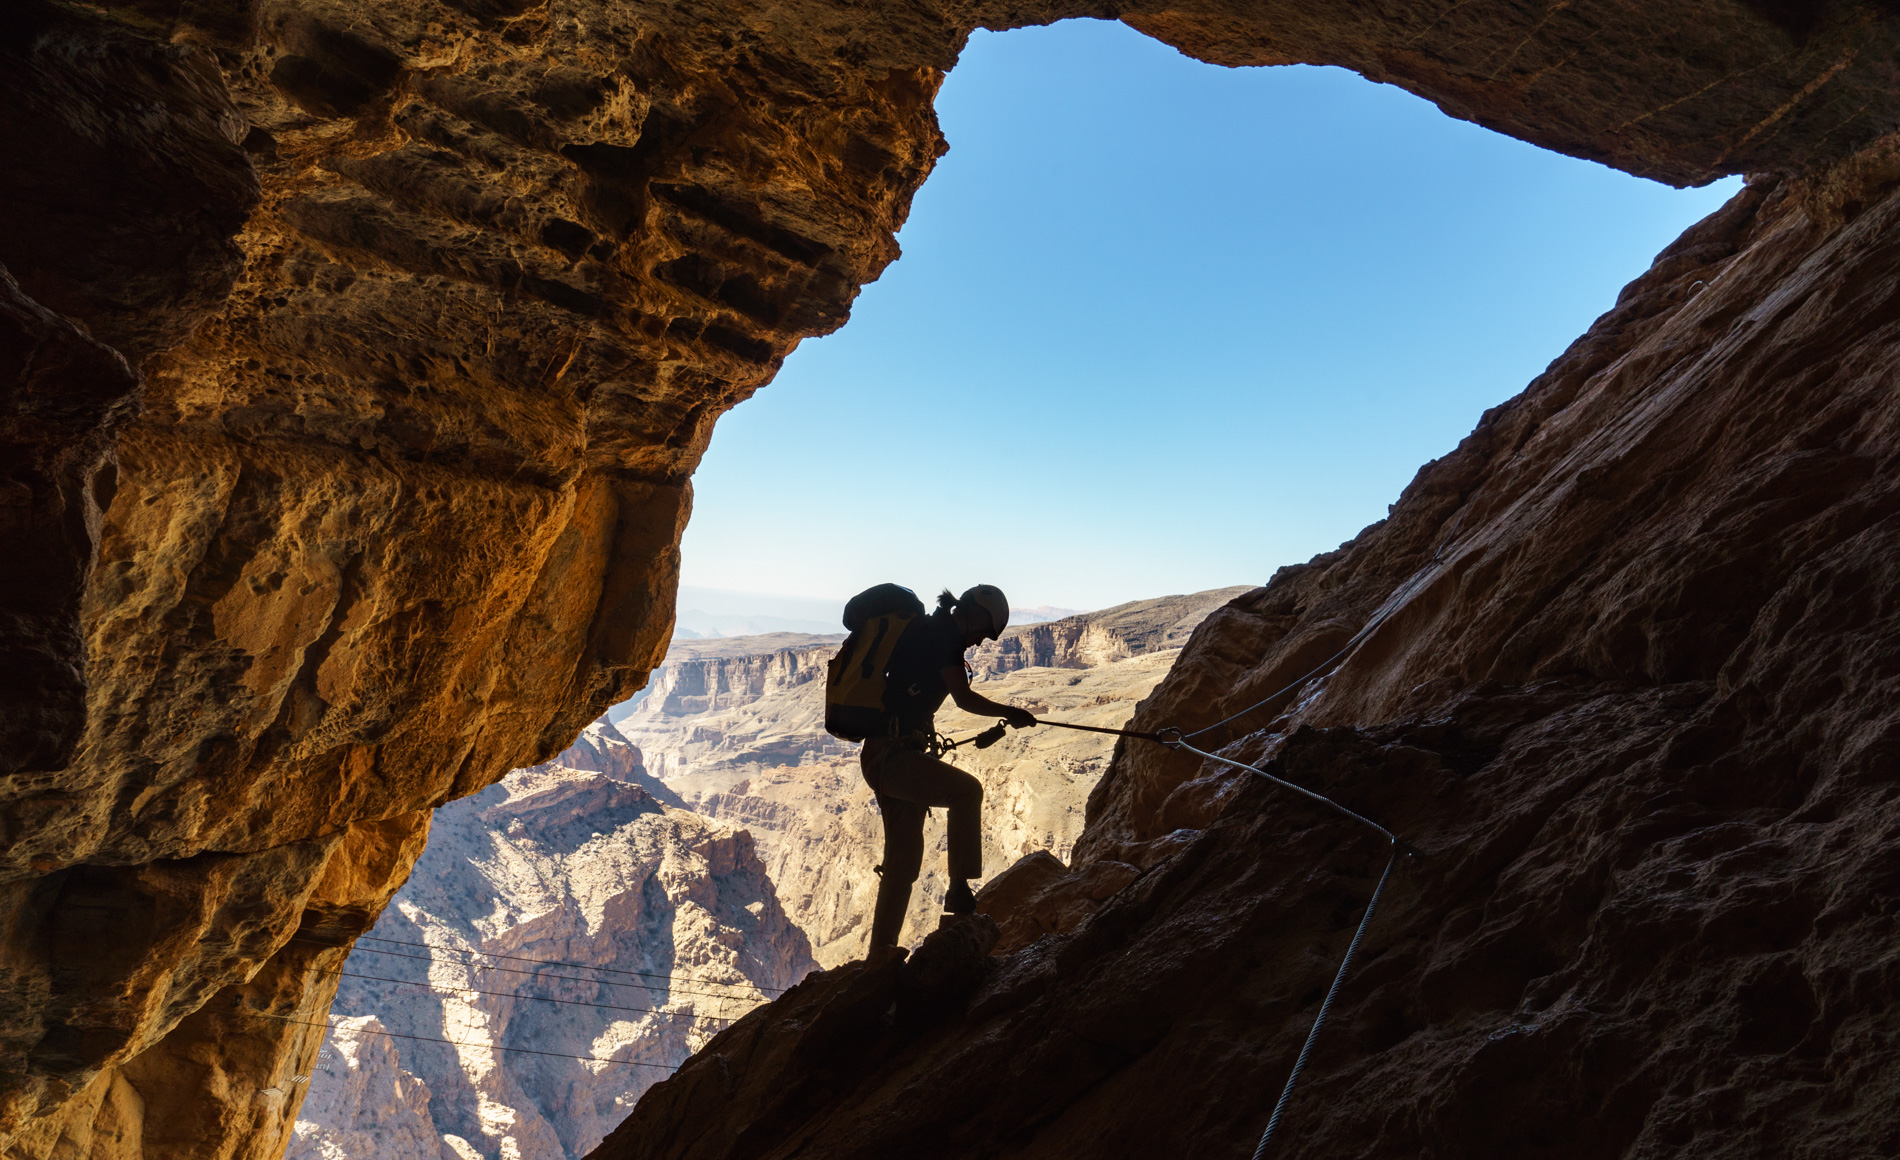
1160,327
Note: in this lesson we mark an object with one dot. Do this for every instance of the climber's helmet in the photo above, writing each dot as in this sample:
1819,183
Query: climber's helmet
985,600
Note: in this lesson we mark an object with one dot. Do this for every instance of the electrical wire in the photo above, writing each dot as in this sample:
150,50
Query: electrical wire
554,962
462,1043
534,998
534,974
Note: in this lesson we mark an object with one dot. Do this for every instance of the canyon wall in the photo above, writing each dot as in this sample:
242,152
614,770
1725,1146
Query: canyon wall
1087,639
582,880
652,927
356,361
702,676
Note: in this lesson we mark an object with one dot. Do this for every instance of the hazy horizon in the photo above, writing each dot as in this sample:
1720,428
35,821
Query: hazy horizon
706,611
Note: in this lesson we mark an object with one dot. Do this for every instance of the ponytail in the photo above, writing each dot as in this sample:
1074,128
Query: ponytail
946,601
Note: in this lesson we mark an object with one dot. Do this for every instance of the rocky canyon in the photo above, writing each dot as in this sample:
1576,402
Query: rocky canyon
566,940
356,361
574,933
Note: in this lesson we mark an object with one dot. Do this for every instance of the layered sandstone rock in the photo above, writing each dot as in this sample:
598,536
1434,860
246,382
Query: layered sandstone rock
435,303
402,512
652,926
721,711
702,676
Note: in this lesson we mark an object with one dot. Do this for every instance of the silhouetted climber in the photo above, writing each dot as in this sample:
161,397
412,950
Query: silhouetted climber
884,688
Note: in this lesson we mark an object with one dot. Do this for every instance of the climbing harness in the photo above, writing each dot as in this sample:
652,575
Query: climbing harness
940,745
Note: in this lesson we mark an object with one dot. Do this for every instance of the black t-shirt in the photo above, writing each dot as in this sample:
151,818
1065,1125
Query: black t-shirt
913,683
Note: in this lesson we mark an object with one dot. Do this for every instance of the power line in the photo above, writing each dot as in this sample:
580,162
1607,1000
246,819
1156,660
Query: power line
542,962
558,963
563,978
535,998
539,975
462,1043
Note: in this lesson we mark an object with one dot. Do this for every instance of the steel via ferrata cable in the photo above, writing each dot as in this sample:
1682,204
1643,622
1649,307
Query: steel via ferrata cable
1173,738
1399,599
1352,948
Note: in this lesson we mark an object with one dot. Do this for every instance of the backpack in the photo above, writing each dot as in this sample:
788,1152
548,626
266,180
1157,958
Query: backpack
876,618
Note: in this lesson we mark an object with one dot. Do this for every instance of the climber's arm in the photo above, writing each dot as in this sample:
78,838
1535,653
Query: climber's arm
977,705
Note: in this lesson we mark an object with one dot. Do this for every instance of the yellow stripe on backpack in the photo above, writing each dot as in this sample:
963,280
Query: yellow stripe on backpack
855,679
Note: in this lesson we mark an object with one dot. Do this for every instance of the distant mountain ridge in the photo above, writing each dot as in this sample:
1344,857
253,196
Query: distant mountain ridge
715,613
1041,614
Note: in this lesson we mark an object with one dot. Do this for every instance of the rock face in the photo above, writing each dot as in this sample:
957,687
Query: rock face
359,1081
1087,639
706,677
427,365
602,749
721,711
356,361
653,926
738,732
1619,666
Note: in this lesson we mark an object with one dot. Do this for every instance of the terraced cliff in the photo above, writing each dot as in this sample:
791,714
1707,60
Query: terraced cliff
566,941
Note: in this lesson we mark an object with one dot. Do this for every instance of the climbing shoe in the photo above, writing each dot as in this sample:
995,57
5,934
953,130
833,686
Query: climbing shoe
958,899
